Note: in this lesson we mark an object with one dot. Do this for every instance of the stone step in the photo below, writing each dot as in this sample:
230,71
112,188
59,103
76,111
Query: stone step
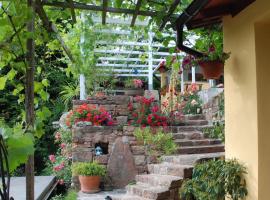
190,135
194,117
191,159
201,149
195,122
129,197
201,142
160,180
179,129
165,168
148,191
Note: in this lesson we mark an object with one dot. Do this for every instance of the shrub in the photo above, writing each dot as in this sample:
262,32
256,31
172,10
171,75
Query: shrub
147,113
156,140
88,169
216,179
216,132
59,164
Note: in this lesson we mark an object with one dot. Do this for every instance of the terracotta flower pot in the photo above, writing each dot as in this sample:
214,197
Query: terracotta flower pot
212,69
89,184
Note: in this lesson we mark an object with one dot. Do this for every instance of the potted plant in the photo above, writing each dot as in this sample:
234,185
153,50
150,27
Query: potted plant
133,87
212,64
89,175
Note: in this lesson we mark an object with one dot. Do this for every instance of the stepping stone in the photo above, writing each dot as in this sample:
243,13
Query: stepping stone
160,180
165,168
148,192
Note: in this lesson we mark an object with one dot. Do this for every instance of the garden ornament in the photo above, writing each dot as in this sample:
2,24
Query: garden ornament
98,151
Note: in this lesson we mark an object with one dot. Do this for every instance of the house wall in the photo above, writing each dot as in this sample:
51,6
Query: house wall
247,96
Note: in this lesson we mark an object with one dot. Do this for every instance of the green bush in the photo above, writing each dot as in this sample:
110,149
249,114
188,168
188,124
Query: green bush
216,132
156,140
88,169
215,180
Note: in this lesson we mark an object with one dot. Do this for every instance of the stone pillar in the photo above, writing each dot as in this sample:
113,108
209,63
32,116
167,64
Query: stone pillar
247,94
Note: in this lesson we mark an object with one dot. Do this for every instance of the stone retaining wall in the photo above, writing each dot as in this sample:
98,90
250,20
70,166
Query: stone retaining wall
122,150
211,110
115,105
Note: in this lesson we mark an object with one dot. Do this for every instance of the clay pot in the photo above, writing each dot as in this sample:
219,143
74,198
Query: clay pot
89,184
212,69
134,92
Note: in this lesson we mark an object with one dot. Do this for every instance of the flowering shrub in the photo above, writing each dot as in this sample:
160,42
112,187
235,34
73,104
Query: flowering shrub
137,83
59,164
133,83
192,103
92,114
147,113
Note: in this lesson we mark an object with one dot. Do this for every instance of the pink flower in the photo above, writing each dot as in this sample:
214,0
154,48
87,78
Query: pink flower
52,158
57,136
212,49
61,182
194,87
59,167
63,145
137,83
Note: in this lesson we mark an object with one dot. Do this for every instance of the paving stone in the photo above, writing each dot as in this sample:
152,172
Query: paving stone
147,191
160,180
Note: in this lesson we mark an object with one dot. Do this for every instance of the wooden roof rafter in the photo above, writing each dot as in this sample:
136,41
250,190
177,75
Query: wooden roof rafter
73,15
104,11
136,12
170,12
84,6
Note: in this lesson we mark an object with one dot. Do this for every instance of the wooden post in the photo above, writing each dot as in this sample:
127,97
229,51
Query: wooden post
29,100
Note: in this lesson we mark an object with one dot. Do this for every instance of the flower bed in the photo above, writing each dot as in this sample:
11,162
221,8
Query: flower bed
91,114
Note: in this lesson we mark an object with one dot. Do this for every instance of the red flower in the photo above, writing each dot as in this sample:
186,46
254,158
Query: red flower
155,109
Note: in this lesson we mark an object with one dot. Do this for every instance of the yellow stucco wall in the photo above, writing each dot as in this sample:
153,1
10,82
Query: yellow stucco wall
247,94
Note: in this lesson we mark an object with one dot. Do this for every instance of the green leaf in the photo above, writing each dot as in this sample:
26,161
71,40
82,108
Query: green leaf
20,146
3,81
45,82
11,74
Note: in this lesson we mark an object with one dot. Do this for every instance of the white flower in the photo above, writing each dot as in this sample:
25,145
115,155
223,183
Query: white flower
194,102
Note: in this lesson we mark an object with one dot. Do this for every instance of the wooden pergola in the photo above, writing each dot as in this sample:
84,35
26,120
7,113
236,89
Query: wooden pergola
178,22
37,6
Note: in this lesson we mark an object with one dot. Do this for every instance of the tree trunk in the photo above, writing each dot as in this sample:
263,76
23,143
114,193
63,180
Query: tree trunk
29,101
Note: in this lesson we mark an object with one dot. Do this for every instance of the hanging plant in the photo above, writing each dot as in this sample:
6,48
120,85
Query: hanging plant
212,64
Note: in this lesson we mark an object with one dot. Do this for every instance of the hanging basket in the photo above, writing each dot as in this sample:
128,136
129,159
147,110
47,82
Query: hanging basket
212,69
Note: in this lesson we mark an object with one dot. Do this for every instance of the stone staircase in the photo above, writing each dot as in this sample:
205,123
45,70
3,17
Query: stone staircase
165,179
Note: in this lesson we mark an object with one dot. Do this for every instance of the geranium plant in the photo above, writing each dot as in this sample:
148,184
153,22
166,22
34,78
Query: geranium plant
133,83
214,54
146,113
91,114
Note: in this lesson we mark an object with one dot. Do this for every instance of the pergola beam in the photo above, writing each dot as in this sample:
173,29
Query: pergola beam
170,12
83,6
50,27
104,11
73,15
136,12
